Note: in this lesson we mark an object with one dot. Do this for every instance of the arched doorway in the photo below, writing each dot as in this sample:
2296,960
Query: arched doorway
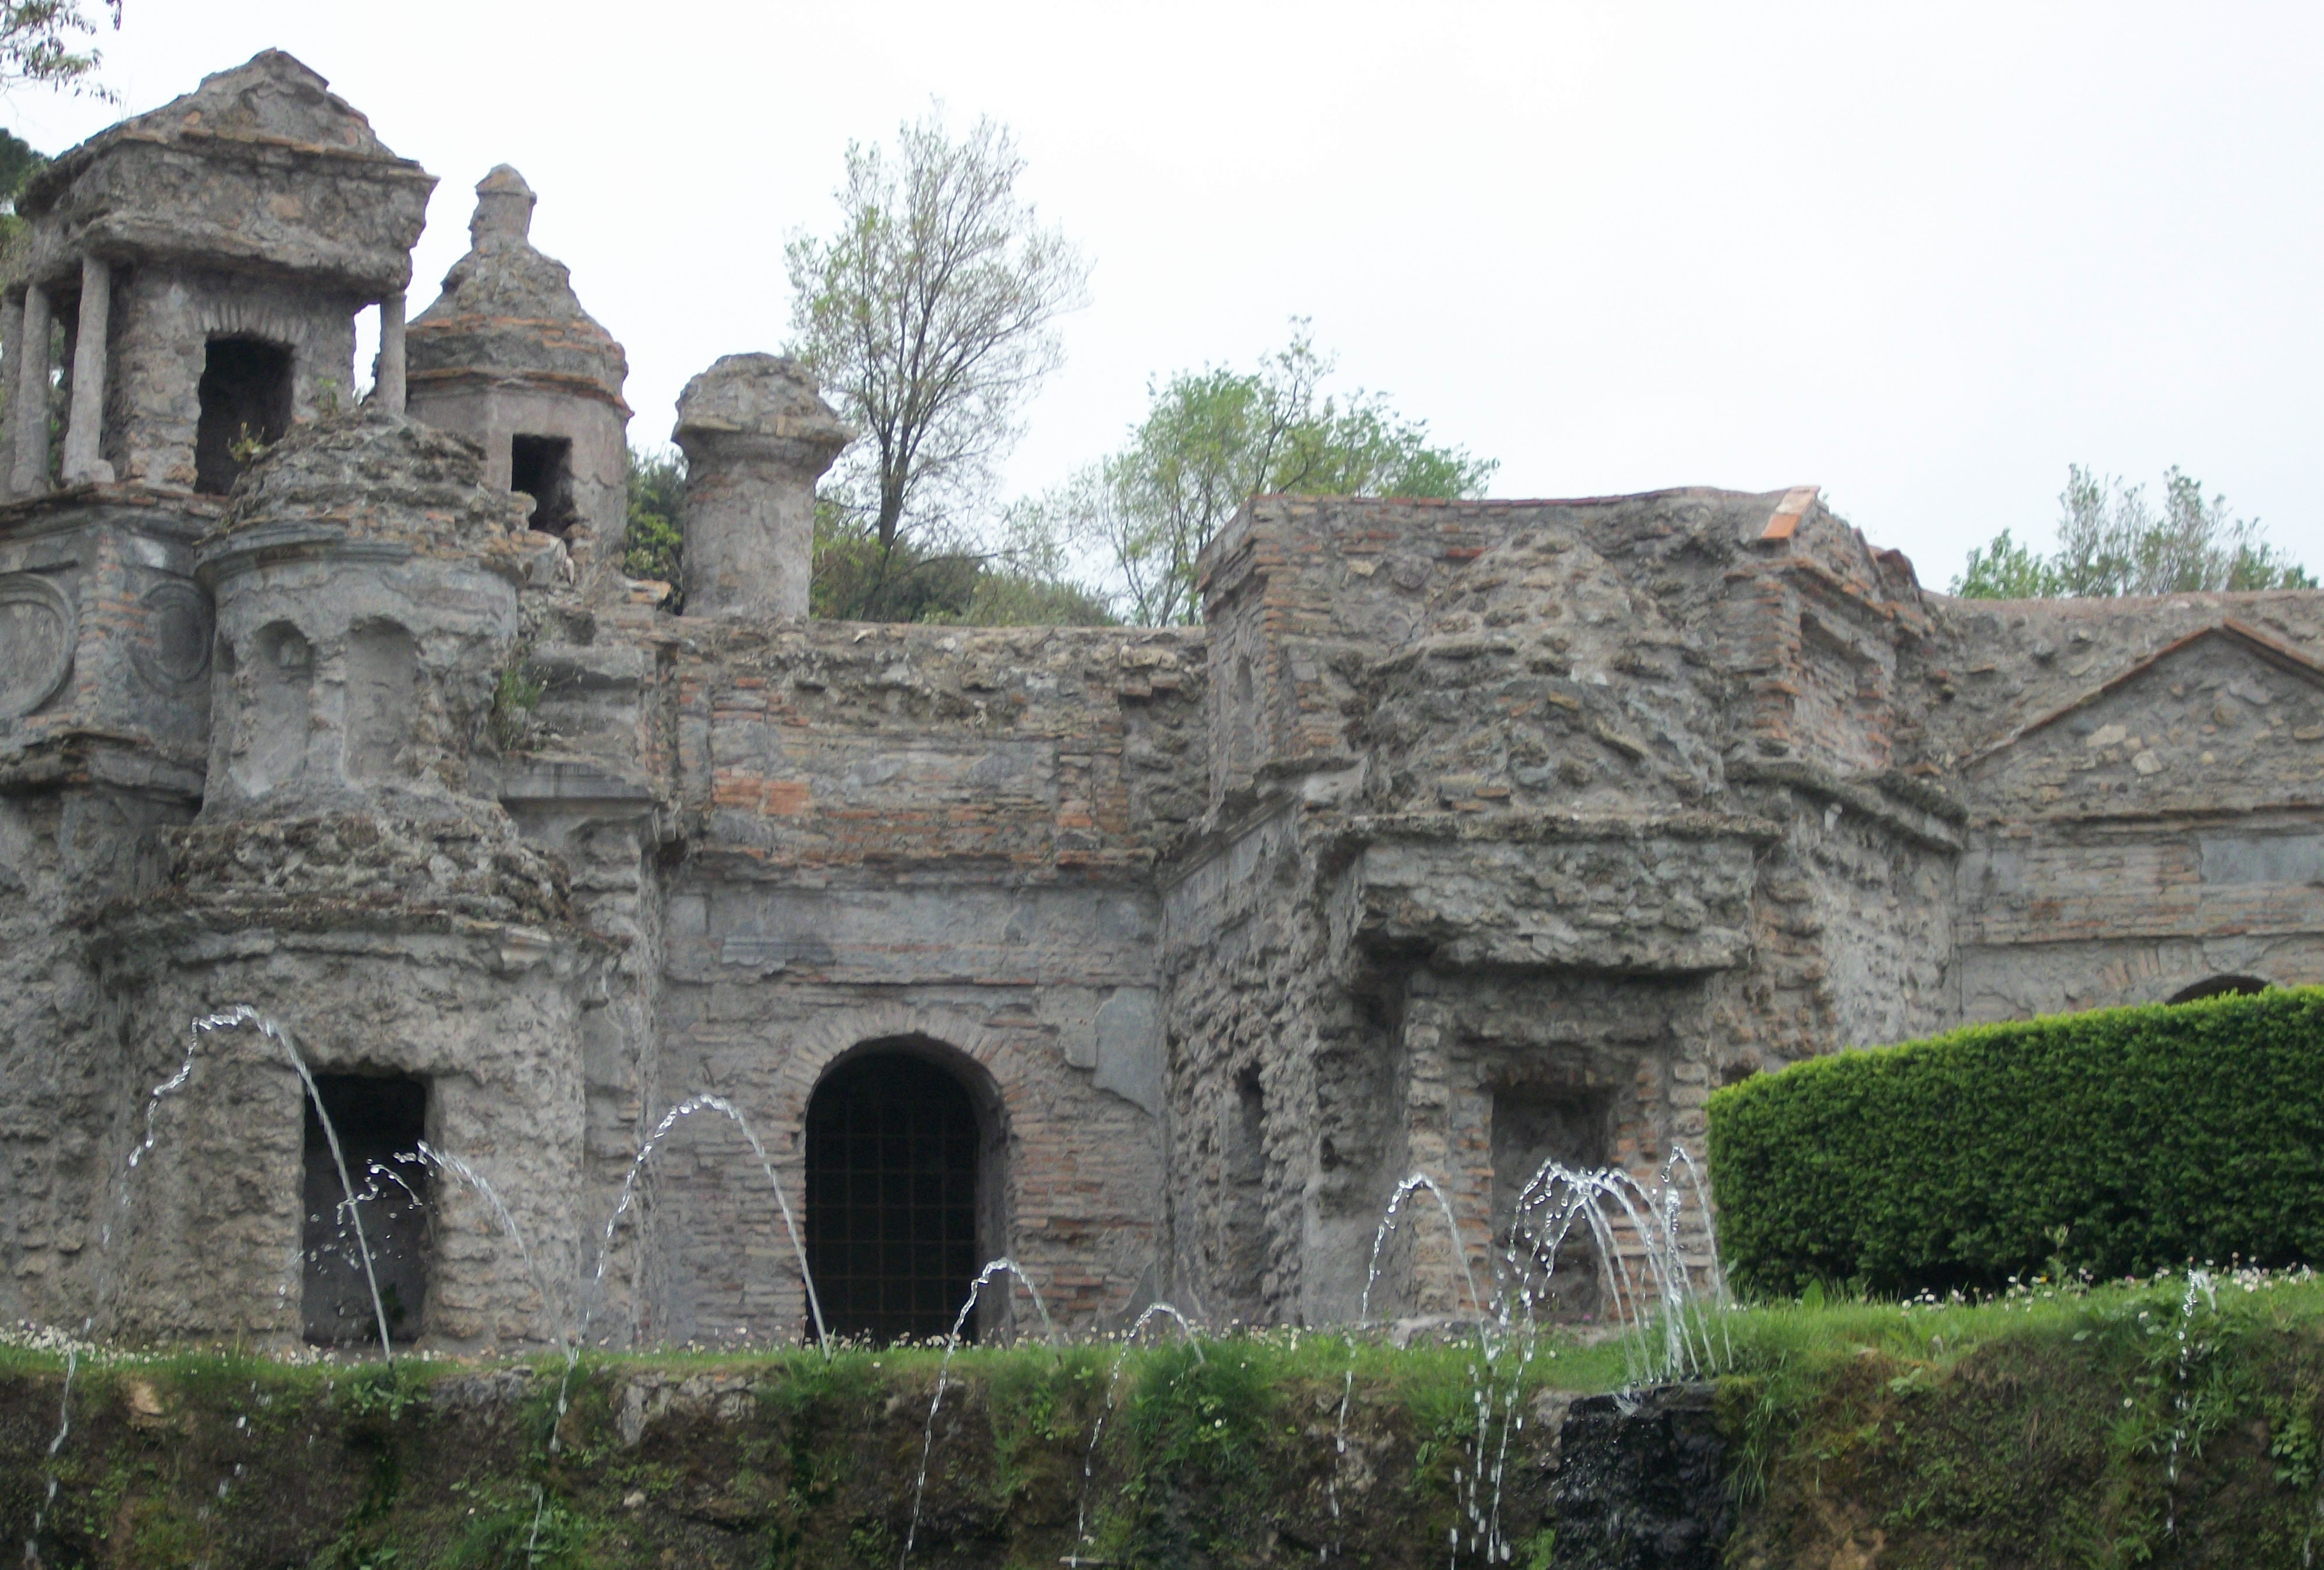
898,1172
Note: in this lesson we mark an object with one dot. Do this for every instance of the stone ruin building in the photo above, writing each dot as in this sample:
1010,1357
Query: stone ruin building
1459,836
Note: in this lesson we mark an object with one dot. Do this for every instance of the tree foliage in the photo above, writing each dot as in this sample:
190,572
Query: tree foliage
1214,437
19,162
652,547
929,317
2112,540
1020,581
43,43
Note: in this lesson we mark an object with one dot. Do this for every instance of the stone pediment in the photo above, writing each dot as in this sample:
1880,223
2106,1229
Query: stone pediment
2227,718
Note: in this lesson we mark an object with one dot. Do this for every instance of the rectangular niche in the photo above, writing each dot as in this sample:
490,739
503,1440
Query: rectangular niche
1534,1124
541,466
1245,1211
382,678
246,400
380,1120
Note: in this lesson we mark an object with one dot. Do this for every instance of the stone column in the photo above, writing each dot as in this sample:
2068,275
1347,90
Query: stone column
756,438
85,428
12,345
30,474
390,390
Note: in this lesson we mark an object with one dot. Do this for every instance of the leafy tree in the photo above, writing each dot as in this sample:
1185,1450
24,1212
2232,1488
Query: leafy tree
1212,437
652,546
18,163
2112,540
929,317
2005,570
41,43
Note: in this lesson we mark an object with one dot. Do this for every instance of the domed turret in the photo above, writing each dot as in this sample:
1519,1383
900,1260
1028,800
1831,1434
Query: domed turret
507,358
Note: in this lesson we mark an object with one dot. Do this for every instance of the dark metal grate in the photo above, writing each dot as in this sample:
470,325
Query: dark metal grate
891,1152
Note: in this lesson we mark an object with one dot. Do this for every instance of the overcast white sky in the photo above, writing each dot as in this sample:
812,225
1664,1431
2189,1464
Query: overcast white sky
1924,256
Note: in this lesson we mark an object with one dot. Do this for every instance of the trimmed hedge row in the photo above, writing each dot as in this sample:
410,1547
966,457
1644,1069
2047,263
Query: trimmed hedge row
2153,1136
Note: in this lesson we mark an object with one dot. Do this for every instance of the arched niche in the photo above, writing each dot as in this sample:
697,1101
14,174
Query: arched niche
281,668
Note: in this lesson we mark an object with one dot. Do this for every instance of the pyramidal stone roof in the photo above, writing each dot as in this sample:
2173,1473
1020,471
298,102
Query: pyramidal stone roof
270,101
508,313
261,166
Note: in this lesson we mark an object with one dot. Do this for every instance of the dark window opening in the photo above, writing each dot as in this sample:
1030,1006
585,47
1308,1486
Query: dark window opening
245,393
2220,986
1532,1127
891,1197
380,1123
541,466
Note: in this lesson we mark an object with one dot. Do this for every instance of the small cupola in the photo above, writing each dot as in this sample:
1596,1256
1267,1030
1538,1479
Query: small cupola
507,358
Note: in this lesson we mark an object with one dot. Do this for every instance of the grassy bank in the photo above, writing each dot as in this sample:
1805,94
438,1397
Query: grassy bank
2110,1428
2050,1427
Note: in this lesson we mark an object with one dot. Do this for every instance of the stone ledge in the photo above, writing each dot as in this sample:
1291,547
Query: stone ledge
1924,816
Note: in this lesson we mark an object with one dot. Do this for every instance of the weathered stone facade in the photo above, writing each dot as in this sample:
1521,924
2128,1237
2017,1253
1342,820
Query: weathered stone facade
1461,836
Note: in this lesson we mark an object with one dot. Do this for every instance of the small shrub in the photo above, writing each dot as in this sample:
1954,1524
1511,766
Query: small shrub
516,700
2114,1142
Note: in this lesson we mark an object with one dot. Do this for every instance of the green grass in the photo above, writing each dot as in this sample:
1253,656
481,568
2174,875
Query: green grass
1754,1339
1924,1418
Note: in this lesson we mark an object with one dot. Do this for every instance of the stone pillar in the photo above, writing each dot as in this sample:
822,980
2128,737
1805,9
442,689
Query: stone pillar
85,428
756,438
390,390
30,474
12,345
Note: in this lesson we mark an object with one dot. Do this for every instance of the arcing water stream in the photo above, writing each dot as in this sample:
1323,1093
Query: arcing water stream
1657,1287
240,1017
1663,1292
952,1345
1638,1256
1643,1268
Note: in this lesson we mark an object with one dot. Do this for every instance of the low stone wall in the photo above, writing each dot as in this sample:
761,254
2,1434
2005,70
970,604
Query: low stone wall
1031,1458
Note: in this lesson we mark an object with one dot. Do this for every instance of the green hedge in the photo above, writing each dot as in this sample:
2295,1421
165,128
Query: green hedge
2153,1136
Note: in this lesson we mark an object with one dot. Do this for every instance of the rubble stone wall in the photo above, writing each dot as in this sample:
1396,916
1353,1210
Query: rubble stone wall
1463,836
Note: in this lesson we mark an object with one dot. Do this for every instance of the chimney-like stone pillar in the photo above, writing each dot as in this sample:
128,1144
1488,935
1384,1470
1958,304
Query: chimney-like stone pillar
505,204
85,426
390,390
31,408
756,438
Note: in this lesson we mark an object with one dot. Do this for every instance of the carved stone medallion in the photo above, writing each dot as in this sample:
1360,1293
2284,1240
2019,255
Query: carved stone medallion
36,643
174,650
